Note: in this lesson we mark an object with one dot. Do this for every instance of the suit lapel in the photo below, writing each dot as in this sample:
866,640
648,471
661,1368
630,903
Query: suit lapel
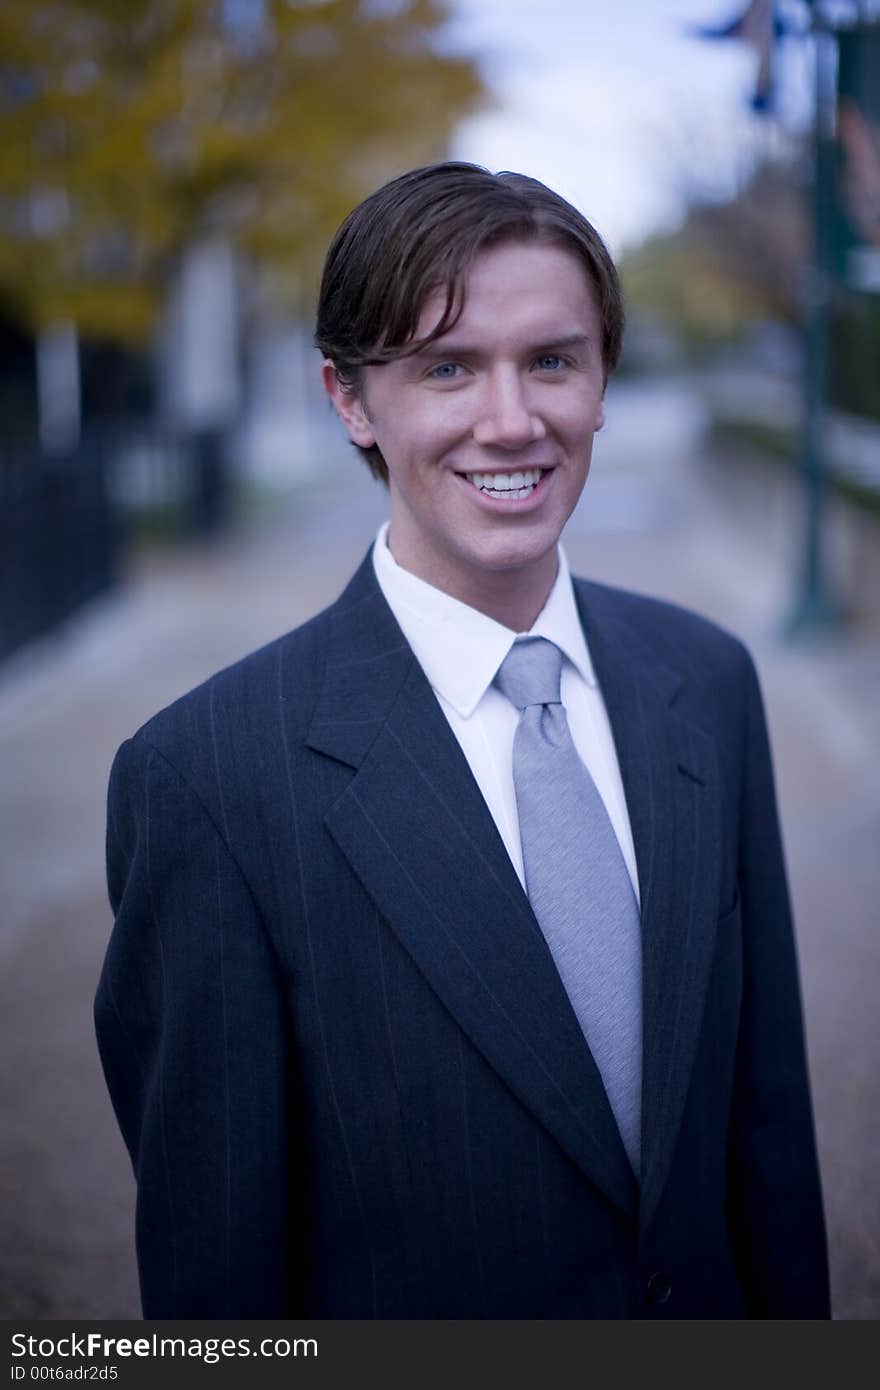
413,825
670,778
415,828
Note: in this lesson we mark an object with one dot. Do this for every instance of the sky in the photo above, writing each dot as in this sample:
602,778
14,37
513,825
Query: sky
615,105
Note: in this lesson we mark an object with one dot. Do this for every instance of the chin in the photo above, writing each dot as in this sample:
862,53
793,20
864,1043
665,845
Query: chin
514,554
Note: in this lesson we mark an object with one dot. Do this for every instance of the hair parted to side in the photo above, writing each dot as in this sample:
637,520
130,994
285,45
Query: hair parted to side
420,233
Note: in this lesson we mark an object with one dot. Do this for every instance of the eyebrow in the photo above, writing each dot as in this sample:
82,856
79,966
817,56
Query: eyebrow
443,348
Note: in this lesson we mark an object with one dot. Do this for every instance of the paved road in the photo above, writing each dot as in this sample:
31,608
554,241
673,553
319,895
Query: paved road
670,522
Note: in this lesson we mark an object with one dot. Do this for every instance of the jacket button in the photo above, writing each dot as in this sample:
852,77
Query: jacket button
658,1287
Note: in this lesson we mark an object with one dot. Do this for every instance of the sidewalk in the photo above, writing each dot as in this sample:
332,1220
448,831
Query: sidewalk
666,522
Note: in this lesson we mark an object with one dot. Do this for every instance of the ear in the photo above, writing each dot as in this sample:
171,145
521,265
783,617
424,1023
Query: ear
349,407
600,418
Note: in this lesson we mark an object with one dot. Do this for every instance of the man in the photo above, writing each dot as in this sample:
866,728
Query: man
453,972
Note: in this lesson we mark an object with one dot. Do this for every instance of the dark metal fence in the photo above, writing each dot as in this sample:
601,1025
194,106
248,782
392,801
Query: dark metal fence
63,520
59,536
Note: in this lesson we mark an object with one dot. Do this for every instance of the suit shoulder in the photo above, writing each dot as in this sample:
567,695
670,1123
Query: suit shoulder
246,699
676,636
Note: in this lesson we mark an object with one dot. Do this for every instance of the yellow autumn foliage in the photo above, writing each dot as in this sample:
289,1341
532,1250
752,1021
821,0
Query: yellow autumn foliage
129,128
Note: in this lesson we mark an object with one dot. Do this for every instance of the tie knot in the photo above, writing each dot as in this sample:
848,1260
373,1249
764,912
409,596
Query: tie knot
530,673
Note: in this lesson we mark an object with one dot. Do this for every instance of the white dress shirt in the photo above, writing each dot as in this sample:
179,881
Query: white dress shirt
460,650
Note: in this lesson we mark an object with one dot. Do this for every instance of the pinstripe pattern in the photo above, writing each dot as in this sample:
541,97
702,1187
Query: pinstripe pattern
342,1058
472,1200
323,1020
169,1187
456,945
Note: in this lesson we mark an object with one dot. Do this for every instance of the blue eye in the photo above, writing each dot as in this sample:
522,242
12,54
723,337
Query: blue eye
445,371
550,362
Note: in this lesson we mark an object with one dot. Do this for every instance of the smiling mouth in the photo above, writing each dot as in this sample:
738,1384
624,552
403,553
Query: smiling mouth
507,487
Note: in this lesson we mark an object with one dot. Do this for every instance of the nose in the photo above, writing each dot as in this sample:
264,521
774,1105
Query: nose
505,418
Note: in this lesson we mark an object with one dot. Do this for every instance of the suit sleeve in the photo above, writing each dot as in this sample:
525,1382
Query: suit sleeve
191,1030
775,1201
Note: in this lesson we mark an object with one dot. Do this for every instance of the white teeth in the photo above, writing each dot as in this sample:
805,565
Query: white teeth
509,494
507,486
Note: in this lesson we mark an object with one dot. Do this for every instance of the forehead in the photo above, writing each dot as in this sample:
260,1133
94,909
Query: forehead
518,284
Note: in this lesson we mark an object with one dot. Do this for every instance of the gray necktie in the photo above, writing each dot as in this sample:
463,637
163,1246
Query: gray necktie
577,880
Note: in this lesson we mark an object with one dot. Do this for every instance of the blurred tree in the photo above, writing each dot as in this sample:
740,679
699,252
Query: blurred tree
730,263
129,128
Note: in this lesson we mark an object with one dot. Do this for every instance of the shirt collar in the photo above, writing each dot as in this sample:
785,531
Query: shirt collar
459,648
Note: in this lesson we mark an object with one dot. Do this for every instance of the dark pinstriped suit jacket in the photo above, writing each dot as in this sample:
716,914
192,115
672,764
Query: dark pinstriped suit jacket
342,1060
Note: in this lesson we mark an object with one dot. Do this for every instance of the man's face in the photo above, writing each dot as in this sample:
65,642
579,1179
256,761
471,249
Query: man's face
488,431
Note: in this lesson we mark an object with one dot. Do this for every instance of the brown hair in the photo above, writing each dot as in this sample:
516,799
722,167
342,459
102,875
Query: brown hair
422,231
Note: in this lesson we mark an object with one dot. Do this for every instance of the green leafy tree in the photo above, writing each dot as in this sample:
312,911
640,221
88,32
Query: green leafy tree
130,128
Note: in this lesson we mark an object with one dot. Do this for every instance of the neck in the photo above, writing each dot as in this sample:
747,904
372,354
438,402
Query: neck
513,597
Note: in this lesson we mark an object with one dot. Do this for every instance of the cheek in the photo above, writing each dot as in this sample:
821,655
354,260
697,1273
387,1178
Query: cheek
579,414
424,436
577,437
